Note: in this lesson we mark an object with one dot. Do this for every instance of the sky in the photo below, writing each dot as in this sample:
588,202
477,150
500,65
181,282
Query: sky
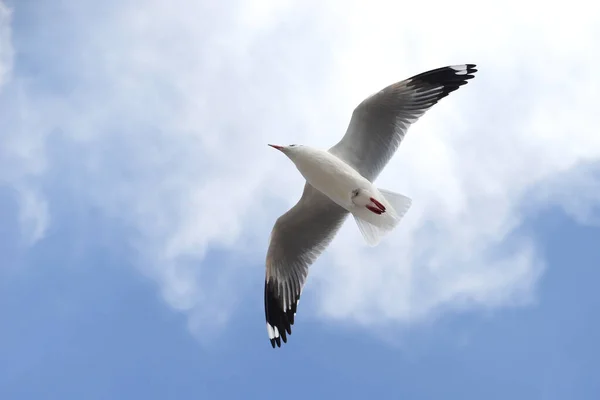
137,195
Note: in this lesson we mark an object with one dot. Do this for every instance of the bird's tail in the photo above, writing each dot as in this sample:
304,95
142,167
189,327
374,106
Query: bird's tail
374,226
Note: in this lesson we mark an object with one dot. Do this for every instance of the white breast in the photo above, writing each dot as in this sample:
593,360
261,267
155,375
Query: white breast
330,175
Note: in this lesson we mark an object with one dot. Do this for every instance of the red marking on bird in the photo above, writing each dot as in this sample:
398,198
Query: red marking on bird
378,204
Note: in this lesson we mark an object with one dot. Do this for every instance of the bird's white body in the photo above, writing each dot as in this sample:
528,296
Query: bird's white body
329,175
349,189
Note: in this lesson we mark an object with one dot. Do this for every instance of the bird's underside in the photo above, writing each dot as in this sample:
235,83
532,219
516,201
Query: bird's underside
375,131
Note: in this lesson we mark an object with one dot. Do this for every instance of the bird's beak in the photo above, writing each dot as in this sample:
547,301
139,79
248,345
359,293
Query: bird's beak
276,147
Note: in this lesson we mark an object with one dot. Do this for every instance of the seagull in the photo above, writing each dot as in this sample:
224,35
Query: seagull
339,182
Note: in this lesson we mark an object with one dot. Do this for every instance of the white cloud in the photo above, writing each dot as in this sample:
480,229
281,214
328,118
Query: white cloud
6,50
33,215
171,107
21,149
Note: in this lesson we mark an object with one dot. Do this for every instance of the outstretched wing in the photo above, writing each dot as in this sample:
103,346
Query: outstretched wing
380,122
297,239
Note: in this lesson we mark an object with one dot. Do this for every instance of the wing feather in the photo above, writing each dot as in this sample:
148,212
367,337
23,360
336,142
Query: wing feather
297,239
379,124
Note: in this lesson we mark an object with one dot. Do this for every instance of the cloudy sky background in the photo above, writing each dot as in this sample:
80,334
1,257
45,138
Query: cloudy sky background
137,195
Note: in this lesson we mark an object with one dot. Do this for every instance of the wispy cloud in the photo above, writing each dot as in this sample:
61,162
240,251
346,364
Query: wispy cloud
170,108
6,50
33,215
19,151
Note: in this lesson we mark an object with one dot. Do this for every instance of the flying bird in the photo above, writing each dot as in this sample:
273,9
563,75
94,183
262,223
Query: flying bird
339,182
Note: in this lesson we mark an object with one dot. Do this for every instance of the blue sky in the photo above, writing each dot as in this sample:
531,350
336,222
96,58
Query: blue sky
120,125
95,329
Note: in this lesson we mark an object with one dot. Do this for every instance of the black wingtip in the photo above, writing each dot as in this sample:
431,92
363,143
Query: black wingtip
279,322
471,69
450,78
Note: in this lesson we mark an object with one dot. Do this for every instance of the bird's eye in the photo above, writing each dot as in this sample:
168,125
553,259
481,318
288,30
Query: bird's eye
292,145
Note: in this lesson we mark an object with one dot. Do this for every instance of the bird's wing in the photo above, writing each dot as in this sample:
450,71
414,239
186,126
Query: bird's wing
297,239
380,122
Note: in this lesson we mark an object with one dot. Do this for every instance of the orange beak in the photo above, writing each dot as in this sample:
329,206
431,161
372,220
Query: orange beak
276,147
